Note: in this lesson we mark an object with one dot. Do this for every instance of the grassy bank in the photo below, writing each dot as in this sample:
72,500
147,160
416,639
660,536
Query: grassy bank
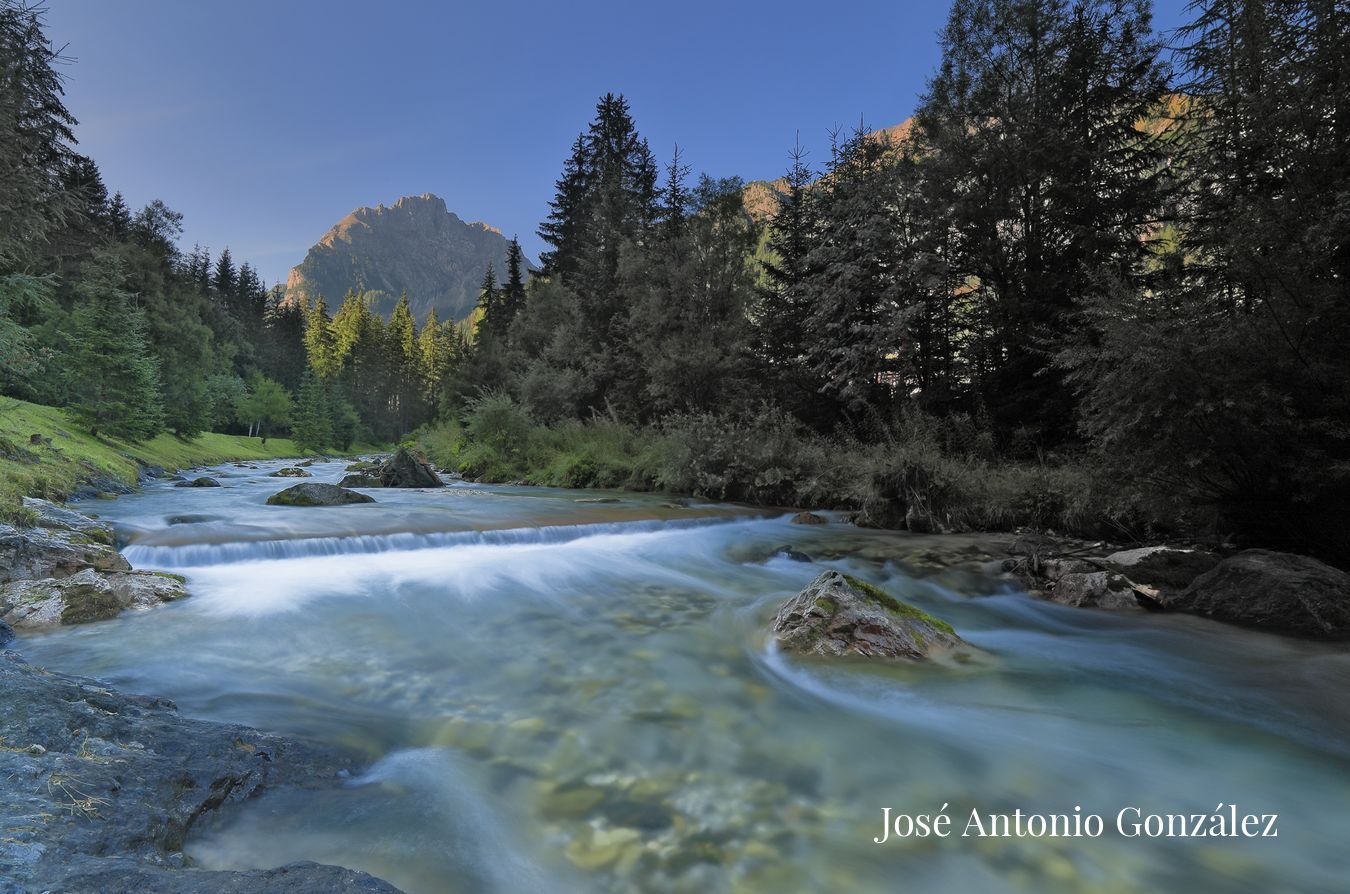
74,457
912,472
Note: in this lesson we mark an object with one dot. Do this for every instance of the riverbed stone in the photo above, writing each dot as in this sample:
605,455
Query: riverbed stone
146,589
316,494
1094,589
102,790
840,615
290,472
407,468
1273,591
43,552
202,481
77,599
808,518
59,518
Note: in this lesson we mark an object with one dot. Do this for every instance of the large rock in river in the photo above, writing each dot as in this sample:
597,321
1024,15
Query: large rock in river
1273,591
841,615
315,494
408,469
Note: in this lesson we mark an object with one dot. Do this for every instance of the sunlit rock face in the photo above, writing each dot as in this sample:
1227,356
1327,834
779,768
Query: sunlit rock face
415,244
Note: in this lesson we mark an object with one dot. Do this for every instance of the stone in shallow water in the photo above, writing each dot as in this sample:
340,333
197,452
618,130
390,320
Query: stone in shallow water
199,482
808,518
290,472
841,615
315,494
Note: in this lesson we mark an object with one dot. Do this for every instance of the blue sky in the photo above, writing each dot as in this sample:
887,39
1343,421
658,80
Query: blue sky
265,121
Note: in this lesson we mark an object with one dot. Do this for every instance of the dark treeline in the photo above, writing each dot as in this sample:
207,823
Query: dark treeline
1087,251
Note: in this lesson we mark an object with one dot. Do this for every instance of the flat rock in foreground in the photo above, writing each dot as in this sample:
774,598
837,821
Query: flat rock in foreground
102,789
841,615
314,494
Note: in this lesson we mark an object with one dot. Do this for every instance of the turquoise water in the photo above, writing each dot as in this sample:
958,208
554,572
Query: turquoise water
557,695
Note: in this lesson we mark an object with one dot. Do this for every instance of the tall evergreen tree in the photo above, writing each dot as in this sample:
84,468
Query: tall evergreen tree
225,278
513,290
405,368
1031,128
312,420
116,379
320,343
36,138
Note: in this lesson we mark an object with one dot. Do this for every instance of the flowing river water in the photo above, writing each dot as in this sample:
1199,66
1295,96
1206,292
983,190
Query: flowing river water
565,691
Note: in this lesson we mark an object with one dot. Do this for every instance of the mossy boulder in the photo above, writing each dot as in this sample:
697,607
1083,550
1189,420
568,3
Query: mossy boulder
203,481
314,494
290,472
841,615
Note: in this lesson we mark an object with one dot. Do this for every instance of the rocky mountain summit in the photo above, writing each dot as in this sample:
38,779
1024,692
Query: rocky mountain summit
416,244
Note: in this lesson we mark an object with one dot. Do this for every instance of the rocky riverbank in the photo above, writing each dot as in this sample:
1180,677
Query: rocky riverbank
1263,589
102,789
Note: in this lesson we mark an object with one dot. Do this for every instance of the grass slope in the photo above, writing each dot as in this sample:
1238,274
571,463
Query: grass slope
75,457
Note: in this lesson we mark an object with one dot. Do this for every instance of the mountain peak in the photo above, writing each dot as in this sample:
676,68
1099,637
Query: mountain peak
415,243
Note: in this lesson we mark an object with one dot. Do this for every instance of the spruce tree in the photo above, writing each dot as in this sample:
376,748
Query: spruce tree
311,420
513,292
225,279
116,389
119,218
489,304
320,344
405,366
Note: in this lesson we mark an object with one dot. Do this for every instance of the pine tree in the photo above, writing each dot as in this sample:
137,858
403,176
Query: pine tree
225,279
320,344
311,420
406,378
513,292
119,218
784,305
36,137
489,303
115,377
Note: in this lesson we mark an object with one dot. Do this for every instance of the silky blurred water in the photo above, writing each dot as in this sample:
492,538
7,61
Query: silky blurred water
557,694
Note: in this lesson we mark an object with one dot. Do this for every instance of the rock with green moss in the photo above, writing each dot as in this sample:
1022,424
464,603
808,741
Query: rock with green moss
290,472
86,596
43,552
315,494
203,481
840,615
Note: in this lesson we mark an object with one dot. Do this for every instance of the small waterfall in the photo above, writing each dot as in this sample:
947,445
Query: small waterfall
196,555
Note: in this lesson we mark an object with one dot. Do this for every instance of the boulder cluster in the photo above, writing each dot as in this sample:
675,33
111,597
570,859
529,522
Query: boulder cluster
1265,589
65,570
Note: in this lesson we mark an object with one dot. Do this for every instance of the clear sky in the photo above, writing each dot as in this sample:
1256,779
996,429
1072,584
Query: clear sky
266,121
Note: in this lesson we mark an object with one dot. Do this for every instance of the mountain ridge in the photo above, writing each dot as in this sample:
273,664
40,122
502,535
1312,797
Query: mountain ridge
415,244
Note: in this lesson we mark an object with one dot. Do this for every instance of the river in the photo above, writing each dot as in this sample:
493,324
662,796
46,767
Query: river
573,691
